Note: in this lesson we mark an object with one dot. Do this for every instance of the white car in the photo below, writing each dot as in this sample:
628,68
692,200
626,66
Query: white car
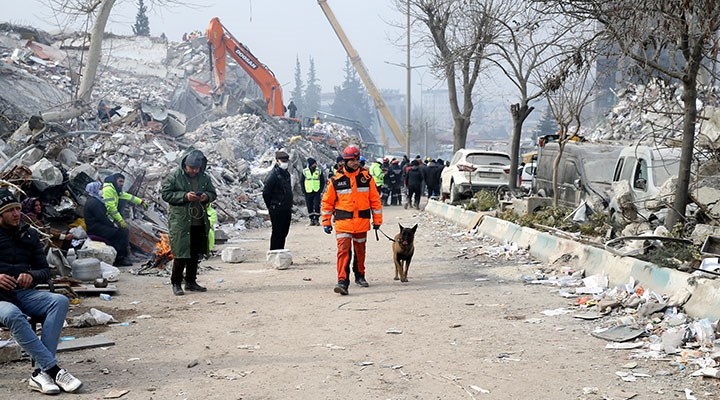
526,176
473,170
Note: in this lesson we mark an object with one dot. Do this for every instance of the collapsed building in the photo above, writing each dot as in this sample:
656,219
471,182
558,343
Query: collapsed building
157,92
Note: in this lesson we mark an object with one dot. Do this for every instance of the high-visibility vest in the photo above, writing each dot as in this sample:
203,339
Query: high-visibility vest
312,180
377,173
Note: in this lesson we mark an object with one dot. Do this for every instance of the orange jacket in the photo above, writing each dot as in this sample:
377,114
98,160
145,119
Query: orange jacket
353,199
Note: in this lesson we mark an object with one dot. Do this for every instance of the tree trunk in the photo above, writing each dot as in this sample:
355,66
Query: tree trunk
556,167
80,104
519,114
677,214
460,132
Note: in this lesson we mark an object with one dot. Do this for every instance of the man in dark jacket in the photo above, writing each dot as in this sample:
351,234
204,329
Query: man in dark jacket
278,197
22,266
313,184
189,191
101,227
414,182
432,179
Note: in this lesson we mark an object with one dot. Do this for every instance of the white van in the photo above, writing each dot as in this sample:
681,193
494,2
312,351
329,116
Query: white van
646,168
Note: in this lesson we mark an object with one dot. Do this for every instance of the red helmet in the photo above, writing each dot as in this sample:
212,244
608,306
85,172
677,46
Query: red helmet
351,152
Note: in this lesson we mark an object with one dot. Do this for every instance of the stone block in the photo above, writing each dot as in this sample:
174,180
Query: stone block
279,259
11,352
233,255
528,205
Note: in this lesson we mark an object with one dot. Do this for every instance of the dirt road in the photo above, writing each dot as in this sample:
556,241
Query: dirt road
462,328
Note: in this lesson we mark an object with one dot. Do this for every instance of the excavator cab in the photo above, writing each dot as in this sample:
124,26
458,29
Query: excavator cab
222,44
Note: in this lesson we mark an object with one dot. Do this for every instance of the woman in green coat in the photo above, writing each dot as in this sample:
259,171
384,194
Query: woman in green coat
188,190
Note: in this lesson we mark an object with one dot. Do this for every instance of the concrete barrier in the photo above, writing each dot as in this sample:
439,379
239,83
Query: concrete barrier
704,294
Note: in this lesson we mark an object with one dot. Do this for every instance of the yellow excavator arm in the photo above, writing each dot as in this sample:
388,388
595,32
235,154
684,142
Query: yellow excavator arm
380,104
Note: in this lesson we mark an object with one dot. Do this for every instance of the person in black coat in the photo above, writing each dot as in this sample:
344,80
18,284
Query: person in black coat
414,183
100,227
278,197
432,179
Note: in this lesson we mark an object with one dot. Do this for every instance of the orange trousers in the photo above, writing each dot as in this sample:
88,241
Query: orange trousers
347,243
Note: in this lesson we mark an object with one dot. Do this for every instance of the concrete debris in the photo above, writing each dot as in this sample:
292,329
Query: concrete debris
153,103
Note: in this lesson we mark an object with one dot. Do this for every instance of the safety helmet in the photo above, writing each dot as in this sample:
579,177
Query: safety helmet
362,159
351,152
385,159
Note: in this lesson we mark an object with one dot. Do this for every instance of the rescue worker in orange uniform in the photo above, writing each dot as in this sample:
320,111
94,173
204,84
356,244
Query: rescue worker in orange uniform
353,199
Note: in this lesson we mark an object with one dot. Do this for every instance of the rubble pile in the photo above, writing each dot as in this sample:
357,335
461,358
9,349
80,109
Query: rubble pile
629,317
144,79
653,113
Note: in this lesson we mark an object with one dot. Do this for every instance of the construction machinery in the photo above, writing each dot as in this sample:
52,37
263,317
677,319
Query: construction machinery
221,44
379,102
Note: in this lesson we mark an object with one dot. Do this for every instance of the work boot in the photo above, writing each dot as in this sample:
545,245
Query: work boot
360,280
194,287
341,287
177,290
406,205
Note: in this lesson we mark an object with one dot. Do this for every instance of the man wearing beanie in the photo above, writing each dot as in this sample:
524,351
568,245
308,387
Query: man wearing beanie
278,197
313,184
22,266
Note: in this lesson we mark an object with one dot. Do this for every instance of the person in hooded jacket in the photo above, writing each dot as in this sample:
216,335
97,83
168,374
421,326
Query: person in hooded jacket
414,182
189,191
313,185
100,227
278,197
112,193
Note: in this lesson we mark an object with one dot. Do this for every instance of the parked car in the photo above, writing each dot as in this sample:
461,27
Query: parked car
474,170
646,169
584,172
526,175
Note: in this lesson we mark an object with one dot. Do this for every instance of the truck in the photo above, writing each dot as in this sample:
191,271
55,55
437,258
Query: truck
222,43
359,66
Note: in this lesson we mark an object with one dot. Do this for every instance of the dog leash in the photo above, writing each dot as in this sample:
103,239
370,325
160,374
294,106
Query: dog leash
377,238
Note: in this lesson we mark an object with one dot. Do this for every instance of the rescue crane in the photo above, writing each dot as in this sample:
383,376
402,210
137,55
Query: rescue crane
378,100
221,43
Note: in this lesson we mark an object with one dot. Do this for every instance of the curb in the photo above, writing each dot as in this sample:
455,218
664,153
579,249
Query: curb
702,295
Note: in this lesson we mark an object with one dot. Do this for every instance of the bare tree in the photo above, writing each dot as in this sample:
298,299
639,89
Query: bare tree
457,33
529,41
671,37
568,91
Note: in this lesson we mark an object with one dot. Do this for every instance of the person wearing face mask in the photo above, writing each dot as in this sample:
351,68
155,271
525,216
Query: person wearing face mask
313,184
353,199
278,197
189,191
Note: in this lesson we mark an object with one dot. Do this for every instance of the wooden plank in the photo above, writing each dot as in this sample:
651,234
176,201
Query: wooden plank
85,343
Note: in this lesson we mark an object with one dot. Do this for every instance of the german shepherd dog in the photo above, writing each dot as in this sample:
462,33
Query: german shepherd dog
403,249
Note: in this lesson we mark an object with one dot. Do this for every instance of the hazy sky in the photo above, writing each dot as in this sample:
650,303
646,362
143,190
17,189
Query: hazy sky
276,31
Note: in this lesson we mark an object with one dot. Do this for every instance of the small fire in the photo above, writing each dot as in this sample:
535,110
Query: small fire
162,248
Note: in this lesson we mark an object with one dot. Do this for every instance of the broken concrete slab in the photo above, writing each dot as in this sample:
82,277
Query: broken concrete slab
84,343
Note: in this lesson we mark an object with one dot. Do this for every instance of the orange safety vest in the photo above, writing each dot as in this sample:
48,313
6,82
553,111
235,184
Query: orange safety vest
353,199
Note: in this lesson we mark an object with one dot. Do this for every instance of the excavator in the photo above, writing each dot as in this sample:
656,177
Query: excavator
379,102
221,44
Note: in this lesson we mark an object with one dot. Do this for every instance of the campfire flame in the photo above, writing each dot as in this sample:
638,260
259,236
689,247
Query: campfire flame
162,255
162,248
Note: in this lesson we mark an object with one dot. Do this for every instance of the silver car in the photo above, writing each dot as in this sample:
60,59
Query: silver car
473,170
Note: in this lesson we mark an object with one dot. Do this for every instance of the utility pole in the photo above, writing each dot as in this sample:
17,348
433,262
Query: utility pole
408,72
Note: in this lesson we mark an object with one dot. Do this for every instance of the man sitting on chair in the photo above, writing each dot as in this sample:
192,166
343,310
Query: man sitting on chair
22,266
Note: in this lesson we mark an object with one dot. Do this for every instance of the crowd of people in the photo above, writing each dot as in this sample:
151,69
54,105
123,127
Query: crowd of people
348,200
